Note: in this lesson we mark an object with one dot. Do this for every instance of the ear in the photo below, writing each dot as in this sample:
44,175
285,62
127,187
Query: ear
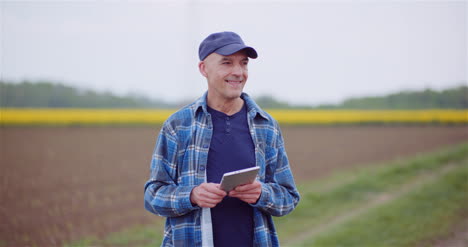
202,68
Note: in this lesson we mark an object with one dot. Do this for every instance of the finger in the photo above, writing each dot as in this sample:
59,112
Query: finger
240,188
207,190
204,200
247,187
211,196
215,189
203,192
211,201
254,193
243,188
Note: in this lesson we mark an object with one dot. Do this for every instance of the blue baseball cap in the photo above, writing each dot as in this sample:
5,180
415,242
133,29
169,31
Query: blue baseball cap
224,43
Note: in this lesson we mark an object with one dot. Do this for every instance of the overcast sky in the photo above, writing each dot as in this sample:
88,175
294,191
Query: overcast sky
310,52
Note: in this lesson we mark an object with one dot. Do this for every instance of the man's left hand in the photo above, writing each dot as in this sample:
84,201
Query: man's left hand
248,193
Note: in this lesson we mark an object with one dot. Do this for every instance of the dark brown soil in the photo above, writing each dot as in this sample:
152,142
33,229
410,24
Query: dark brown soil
60,184
318,151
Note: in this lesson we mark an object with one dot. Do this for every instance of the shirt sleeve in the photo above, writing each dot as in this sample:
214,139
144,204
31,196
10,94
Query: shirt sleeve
163,196
279,194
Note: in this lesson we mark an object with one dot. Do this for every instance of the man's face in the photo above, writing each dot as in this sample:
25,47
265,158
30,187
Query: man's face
226,75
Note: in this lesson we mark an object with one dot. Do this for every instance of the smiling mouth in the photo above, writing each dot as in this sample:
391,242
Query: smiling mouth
233,81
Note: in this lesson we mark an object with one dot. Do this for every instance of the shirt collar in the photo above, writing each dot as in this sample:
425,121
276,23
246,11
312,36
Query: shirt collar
252,108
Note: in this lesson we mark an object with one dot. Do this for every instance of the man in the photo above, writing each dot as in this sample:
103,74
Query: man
223,131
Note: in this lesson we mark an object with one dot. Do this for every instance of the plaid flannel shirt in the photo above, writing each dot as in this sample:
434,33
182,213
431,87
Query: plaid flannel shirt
179,164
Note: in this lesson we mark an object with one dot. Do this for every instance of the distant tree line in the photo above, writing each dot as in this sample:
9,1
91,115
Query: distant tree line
452,98
55,95
47,94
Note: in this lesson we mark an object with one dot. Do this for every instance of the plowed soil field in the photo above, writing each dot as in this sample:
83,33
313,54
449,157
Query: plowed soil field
59,184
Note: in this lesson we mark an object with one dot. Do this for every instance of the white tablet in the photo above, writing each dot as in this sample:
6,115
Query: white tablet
244,176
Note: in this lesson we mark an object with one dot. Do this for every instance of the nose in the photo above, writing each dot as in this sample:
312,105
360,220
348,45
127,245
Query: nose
237,70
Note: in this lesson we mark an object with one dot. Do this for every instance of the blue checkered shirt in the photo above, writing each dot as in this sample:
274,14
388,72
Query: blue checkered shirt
179,164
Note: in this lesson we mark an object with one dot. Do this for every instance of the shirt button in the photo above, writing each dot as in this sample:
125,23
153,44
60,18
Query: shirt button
202,168
205,146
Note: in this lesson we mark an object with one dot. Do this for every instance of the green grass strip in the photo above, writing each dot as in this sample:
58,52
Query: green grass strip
428,212
318,206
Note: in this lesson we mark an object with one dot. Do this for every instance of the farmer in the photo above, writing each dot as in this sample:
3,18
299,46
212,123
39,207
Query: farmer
223,131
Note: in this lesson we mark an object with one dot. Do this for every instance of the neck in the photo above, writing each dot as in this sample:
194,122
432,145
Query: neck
228,107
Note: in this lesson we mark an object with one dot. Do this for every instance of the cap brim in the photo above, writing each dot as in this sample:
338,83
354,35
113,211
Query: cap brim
233,48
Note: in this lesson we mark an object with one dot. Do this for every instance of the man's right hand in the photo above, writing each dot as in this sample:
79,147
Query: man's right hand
207,195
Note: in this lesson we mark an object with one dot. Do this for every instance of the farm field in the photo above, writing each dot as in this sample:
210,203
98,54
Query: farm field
59,184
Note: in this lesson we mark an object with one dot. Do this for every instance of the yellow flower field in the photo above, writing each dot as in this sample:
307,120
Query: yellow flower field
52,116
369,116
72,116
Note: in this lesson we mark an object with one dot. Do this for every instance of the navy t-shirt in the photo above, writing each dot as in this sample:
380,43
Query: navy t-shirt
231,149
